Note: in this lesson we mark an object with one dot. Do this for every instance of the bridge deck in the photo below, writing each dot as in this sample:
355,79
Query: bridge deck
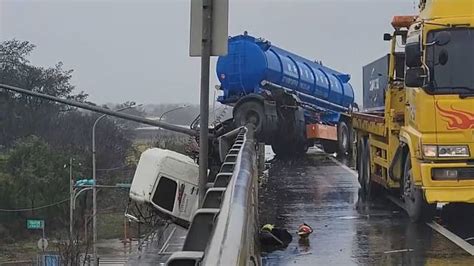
347,231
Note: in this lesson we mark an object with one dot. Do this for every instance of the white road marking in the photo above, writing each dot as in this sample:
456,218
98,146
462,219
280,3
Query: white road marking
166,244
350,170
435,226
441,230
451,236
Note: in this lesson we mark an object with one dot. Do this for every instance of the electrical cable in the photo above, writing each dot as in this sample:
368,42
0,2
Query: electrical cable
109,169
33,209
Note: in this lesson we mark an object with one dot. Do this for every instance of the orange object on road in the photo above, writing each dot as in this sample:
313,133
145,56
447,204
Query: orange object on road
304,230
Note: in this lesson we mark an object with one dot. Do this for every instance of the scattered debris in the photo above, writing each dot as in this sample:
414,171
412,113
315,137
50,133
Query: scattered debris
348,217
398,251
304,230
304,254
272,238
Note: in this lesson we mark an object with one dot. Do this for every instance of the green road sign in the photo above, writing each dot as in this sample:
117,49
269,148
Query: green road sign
34,224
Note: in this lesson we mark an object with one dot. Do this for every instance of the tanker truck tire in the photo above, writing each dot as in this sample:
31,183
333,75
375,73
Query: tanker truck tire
250,112
329,146
343,138
278,149
303,148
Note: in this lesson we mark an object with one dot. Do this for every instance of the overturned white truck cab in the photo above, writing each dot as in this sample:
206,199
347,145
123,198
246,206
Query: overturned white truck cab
168,181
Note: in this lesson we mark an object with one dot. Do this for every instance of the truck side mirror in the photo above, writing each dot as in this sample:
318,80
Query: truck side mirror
413,54
387,37
415,77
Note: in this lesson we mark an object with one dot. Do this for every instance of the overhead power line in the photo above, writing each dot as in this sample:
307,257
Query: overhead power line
33,209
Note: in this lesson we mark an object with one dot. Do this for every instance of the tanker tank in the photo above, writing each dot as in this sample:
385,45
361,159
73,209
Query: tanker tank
250,61
292,101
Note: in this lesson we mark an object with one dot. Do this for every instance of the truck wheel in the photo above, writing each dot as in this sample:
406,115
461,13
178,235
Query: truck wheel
279,149
416,206
360,162
329,146
370,187
302,148
343,138
250,112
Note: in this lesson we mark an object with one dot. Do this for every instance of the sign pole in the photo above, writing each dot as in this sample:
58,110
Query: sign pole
43,237
204,101
71,199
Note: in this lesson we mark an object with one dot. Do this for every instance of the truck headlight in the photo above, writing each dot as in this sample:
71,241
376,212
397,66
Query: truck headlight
453,151
430,150
445,151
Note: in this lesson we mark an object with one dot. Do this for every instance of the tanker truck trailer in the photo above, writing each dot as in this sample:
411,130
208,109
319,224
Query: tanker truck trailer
292,101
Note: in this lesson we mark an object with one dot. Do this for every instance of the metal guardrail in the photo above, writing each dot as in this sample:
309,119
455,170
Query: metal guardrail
224,230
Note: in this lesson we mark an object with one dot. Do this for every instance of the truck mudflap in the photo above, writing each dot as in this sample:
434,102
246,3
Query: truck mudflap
271,120
395,171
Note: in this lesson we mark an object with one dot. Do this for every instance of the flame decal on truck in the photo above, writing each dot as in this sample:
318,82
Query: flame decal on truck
456,119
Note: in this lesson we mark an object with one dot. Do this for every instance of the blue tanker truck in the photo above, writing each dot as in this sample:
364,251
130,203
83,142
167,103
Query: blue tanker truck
293,101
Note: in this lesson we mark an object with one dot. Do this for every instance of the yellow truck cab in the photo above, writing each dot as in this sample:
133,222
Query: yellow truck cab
421,144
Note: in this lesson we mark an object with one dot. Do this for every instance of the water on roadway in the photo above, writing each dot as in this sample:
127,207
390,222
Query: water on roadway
347,230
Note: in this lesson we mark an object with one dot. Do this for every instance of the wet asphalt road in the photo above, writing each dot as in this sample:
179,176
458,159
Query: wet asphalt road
347,230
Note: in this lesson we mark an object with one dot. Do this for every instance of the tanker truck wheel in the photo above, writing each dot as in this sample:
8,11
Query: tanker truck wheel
303,148
278,149
343,138
250,112
329,146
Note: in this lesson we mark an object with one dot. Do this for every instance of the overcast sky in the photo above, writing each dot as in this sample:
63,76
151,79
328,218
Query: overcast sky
138,50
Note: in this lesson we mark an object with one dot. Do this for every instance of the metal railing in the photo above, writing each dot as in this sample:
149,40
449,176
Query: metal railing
224,230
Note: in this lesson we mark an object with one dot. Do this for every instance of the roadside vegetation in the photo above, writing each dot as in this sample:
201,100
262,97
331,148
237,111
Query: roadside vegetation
37,140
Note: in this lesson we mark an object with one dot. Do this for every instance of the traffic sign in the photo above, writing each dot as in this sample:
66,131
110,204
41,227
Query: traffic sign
220,21
34,224
42,244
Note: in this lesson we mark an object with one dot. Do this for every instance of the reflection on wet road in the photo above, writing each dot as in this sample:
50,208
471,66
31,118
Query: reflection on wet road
347,231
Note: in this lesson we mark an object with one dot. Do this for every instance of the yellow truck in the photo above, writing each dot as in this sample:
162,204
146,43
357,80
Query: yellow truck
419,143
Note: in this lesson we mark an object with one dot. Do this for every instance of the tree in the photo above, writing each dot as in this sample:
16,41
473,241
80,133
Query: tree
37,138
31,175
23,115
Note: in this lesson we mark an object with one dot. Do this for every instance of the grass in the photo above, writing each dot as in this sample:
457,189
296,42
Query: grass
110,225
21,250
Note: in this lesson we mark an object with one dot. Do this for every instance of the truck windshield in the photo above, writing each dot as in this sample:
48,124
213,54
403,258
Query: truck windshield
452,65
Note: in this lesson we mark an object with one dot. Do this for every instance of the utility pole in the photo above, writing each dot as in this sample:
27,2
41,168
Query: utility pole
209,37
204,101
71,199
94,187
